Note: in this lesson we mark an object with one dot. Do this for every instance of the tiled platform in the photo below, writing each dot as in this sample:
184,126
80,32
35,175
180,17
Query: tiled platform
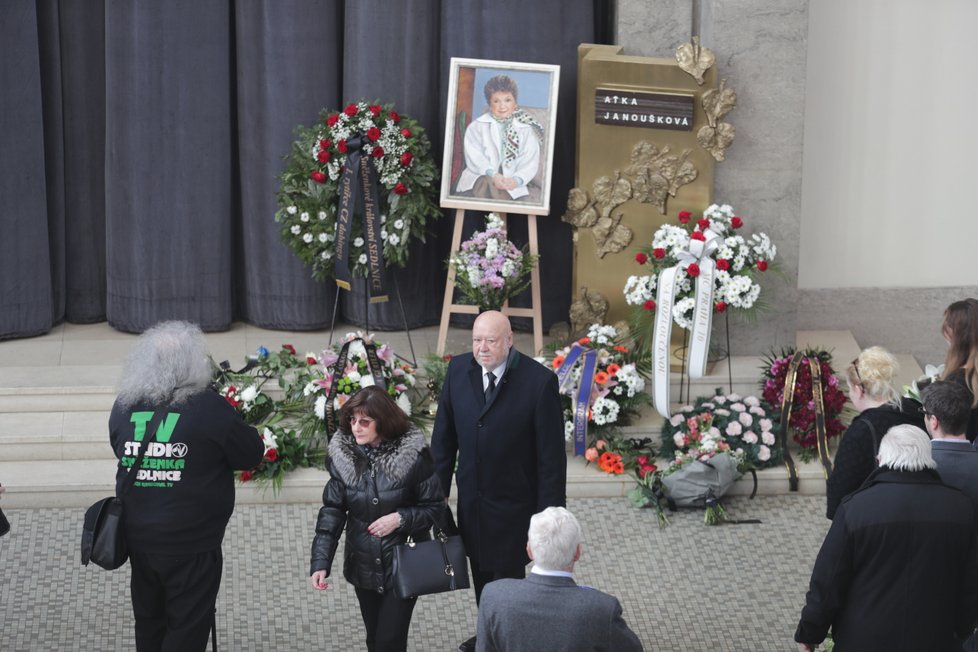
685,588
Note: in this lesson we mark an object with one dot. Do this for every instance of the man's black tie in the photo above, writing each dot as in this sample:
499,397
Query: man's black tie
491,386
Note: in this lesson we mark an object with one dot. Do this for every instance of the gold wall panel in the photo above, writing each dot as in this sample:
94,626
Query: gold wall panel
604,150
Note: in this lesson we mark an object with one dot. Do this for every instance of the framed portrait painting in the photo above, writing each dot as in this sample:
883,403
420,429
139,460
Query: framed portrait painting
499,136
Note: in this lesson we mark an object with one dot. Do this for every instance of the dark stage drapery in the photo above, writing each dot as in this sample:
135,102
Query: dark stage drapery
141,141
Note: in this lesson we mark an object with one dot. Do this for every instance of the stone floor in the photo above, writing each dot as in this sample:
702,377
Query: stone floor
736,587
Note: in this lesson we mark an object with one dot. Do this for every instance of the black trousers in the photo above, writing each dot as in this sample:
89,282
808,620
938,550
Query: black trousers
482,577
173,599
387,619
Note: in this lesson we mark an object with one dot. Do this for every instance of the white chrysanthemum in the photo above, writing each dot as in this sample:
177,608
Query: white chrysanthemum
307,237
398,224
629,377
394,240
404,403
326,255
362,259
296,229
682,312
310,388
249,393
604,411
602,334
304,217
268,438
568,430
291,210
322,237
322,215
639,289
358,242
320,407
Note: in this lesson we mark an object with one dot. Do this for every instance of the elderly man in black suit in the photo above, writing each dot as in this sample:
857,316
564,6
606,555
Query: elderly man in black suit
947,408
549,610
499,417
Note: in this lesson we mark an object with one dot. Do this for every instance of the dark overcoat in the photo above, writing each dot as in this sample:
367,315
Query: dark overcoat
897,570
509,451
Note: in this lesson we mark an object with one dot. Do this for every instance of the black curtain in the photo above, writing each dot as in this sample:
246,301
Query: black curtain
142,140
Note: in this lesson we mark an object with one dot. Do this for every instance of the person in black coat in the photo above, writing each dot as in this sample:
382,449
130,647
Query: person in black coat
182,498
383,488
960,329
505,431
897,569
870,378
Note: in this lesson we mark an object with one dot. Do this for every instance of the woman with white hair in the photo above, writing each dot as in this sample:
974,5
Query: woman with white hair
871,390
179,504
897,570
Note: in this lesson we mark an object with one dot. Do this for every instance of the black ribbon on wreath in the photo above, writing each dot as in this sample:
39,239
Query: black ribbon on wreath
373,364
787,401
360,193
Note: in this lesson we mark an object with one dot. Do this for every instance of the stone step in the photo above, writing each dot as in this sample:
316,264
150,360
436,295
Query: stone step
78,483
54,436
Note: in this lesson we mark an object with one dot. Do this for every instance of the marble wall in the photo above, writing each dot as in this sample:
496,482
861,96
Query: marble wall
760,48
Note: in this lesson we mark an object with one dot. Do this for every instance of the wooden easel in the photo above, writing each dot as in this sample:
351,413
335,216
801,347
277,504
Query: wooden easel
534,311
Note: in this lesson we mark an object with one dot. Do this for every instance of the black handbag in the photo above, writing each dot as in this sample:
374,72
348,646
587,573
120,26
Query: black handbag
104,532
425,567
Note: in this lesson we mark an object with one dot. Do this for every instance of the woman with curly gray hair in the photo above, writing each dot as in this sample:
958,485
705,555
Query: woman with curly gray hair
183,494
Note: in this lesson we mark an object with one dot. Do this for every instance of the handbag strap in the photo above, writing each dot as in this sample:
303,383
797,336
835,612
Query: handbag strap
449,567
148,435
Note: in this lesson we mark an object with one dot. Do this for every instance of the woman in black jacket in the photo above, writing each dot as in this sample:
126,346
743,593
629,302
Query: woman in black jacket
960,329
871,391
382,486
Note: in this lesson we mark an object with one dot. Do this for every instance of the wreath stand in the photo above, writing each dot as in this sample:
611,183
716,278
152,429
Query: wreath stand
366,317
534,311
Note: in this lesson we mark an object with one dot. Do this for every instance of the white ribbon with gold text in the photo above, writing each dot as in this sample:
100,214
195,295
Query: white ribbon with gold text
700,252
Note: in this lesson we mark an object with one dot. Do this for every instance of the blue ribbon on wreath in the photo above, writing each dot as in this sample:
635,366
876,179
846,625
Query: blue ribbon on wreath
360,192
581,395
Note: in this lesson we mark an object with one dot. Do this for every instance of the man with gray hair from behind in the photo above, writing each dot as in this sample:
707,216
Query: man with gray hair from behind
897,570
548,610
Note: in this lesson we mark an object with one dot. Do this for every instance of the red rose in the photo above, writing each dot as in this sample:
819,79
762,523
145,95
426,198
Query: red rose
698,235
641,258
406,158
246,475
373,133
317,176
395,118
762,265
693,270
324,143
649,305
684,216
723,264
289,348
333,119
720,306
341,146
311,360
271,454
378,152
350,110
323,157
374,110
400,189
704,224
736,222
659,253
405,132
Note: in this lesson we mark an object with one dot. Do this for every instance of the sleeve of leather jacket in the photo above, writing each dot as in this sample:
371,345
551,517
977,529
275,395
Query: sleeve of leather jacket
329,526
431,499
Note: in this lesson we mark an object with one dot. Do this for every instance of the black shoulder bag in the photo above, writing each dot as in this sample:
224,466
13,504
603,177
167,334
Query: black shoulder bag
104,532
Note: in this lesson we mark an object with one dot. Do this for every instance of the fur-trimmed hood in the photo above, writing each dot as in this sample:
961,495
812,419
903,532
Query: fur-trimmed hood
394,459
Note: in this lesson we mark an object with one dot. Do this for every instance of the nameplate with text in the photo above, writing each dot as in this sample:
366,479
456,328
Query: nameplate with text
639,109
